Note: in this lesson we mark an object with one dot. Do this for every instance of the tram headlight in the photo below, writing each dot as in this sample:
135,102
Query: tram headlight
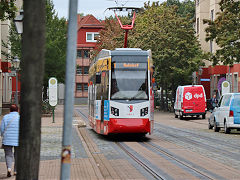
114,111
144,111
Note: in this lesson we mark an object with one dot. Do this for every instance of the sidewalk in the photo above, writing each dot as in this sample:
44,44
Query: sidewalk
51,149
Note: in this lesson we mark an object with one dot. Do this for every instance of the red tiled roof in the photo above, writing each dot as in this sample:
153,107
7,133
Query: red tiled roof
89,21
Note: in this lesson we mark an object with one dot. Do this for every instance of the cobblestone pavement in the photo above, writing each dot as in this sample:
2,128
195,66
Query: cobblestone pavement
51,144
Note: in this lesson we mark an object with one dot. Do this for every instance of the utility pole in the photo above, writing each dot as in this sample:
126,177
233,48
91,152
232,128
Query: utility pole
32,65
69,88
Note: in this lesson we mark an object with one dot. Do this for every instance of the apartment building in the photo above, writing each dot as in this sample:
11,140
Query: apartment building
88,31
6,79
212,77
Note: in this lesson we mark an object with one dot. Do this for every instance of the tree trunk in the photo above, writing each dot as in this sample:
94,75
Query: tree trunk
32,65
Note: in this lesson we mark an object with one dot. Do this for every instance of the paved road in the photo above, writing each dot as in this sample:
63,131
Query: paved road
178,149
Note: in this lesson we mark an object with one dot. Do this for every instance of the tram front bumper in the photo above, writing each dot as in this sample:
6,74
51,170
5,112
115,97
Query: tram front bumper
127,125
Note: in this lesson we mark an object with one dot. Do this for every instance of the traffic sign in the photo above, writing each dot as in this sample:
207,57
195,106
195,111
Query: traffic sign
52,86
225,87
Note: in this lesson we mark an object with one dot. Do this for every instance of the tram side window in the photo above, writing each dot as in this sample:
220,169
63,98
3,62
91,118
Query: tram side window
103,88
105,85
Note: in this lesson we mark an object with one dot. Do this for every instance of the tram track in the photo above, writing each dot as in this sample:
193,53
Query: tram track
151,171
220,151
152,168
85,118
207,138
183,163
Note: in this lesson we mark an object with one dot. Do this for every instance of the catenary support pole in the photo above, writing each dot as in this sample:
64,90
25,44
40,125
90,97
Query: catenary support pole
125,38
69,90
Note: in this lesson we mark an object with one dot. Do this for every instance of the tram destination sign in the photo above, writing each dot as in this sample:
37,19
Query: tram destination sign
128,65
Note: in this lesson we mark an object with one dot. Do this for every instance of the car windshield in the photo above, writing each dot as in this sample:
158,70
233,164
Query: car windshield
129,83
236,101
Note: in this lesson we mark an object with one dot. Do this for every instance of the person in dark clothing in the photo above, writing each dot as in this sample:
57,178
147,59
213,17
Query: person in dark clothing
214,102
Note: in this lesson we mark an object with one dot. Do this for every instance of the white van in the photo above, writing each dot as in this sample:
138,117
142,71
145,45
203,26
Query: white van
190,101
227,114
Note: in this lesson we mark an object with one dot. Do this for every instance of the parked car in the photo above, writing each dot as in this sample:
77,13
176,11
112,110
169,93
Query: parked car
227,114
190,101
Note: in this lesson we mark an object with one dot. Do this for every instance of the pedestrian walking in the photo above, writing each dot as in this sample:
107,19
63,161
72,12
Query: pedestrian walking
9,132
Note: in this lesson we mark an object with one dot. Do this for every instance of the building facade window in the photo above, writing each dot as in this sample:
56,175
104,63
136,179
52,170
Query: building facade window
83,54
211,46
79,53
85,87
79,87
92,36
197,25
82,70
212,15
86,53
229,79
235,82
86,70
79,70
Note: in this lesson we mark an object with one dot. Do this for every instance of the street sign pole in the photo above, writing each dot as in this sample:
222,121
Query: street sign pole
53,121
69,90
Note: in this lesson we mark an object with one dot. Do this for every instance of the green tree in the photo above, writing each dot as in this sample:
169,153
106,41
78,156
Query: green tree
55,53
7,9
175,50
185,8
112,36
225,31
170,35
56,36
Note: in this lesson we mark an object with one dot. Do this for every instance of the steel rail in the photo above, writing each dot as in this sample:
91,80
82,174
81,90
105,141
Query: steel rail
142,164
200,136
177,160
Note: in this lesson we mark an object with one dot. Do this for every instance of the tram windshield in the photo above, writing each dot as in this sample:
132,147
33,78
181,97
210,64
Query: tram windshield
129,81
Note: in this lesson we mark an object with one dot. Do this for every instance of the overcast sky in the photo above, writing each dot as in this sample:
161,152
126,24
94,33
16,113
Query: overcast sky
95,7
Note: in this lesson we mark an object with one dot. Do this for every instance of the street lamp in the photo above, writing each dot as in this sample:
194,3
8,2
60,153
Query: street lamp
18,21
16,64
